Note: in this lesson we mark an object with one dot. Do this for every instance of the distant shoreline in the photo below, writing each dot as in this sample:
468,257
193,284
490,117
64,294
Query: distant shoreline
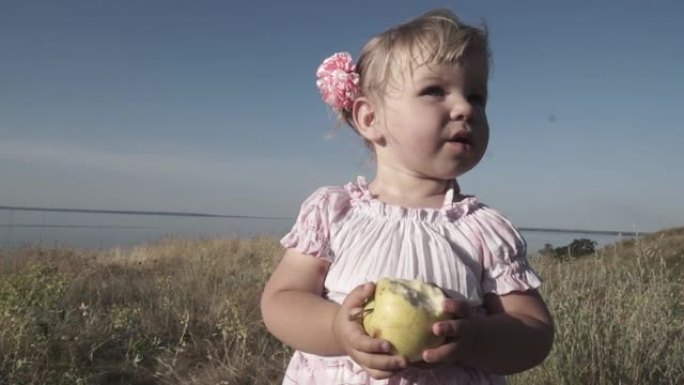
208,215
136,212
577,231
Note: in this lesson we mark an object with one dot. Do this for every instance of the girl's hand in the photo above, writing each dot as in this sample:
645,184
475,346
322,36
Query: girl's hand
460,333
372,354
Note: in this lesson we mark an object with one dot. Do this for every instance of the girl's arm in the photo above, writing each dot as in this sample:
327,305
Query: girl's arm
294,310
293,307
515,335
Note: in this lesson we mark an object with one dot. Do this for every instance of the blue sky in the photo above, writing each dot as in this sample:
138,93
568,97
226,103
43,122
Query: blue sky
211,106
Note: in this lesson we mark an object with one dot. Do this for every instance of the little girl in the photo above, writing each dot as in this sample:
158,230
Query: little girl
417,96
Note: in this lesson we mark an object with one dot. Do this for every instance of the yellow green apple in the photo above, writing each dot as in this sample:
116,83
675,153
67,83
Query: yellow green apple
402,312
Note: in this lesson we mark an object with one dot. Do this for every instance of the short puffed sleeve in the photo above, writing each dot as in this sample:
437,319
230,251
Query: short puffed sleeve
311,231
504,256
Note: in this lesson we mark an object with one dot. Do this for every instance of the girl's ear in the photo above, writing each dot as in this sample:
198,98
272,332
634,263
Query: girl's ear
365,120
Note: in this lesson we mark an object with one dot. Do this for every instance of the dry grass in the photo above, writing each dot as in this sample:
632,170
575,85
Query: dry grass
619,315
178,312
186,312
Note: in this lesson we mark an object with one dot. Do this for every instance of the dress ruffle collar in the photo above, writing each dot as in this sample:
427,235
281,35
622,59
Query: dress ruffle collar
450,210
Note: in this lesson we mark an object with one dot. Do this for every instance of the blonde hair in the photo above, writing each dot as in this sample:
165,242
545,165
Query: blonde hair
436,37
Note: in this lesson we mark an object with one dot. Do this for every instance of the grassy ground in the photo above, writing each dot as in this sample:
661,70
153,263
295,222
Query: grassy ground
186,312
619,315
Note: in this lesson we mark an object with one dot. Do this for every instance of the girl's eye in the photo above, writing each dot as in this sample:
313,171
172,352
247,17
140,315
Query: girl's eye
478,99
433,91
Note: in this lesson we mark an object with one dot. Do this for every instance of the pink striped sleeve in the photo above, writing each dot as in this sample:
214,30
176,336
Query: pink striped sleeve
504,253
311,231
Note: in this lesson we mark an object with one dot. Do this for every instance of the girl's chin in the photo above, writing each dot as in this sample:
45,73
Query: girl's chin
459,168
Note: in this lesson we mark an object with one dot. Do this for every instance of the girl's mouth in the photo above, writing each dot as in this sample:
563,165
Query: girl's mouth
459,140
461,137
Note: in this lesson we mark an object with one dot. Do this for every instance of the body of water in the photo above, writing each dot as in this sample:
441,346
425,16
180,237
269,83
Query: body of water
106,230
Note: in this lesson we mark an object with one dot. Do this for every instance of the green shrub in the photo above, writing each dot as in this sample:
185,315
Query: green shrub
575,249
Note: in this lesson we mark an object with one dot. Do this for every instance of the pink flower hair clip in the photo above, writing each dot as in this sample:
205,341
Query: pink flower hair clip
338,81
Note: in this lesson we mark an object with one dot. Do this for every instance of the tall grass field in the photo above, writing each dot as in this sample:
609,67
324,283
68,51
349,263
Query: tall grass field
185,311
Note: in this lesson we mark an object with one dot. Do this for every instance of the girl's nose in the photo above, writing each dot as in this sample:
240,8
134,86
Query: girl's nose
462,110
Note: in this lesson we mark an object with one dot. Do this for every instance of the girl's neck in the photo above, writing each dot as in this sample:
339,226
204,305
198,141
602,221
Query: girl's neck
410,190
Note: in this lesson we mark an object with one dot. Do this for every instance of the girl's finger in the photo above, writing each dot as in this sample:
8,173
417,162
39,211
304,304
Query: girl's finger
366,344
358,297
452,328
355,314
381,362
459,309
441,353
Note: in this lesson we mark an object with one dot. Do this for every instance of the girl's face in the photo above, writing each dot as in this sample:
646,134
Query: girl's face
434,121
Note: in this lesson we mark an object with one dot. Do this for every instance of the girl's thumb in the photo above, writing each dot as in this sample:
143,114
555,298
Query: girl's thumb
358,296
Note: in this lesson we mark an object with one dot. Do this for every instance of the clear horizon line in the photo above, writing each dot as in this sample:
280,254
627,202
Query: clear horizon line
579,231
50,226
207,215
137,212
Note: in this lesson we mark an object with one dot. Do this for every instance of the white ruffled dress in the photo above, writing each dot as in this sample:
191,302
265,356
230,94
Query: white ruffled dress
464,247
